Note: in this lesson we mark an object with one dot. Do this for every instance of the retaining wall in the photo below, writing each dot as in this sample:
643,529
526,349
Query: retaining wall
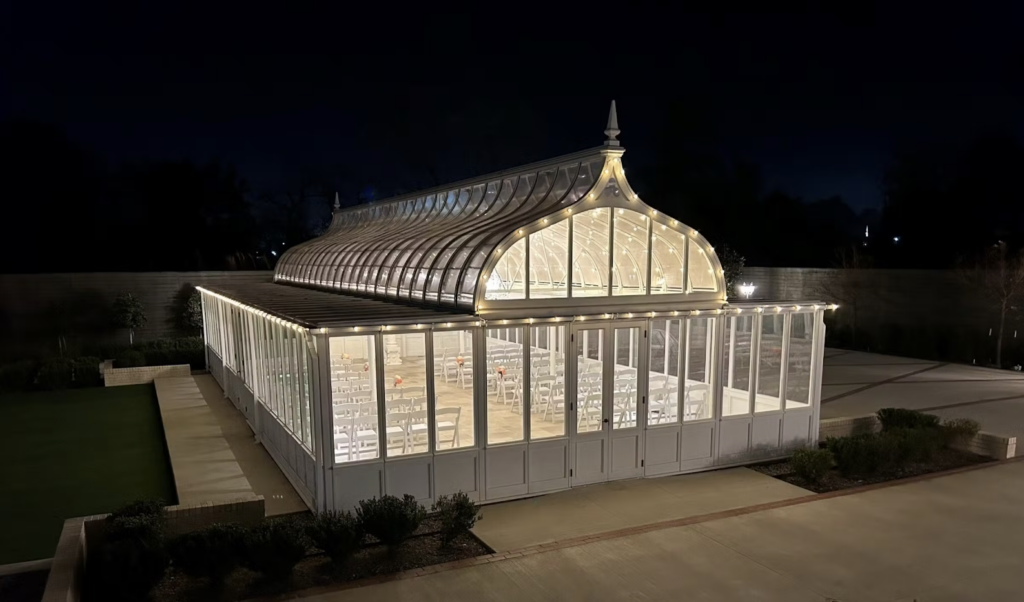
82,536
991,445
142,375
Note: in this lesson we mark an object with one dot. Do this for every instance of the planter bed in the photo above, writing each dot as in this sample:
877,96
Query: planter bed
421,550
944,459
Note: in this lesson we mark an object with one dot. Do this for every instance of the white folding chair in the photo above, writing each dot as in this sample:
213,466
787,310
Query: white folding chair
447,420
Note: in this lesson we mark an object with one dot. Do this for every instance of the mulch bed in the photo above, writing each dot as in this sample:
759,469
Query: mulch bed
944,459
23,587
420,550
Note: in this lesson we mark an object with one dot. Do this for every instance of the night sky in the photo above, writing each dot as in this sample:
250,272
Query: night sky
403,98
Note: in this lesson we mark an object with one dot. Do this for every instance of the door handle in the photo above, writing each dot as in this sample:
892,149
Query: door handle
605,421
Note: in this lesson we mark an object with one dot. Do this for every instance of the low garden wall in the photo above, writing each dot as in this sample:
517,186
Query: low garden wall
83,535
991,445
141,375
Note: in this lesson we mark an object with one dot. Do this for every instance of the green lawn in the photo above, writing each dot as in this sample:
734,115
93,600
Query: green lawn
75,453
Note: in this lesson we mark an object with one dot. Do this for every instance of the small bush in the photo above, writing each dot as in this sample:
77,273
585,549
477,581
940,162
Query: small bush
914,445
811,465
55,374
143,507
212,552
129,358
273,548
959,430
86,372
858,455
132,560
18,376
127,569
457,514
897,418
338,534
390,519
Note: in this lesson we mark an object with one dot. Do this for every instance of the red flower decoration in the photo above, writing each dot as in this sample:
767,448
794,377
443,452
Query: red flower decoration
398,380
459,360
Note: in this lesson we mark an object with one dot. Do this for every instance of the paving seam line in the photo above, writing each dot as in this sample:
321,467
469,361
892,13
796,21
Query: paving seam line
880,383
624,532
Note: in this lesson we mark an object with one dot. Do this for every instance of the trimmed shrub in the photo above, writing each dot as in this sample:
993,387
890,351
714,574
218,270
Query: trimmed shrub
129,358
273,548
86,372
338,534
17,376
212,552
390,519
896,418
811,465
959,430
127,569
858,455
55,374
132,560
143,507
915,445
457,514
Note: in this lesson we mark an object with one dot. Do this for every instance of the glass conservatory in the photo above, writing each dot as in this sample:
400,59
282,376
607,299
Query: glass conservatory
524,332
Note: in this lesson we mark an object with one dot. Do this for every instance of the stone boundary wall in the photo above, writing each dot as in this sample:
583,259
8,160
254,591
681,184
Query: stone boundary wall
81,536
142,375
991,445
36,308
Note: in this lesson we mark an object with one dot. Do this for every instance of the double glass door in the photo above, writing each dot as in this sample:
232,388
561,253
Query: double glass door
607,407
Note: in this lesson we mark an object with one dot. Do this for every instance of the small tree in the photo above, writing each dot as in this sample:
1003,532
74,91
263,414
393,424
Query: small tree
845,284
996,277
129,313
192,313
732,265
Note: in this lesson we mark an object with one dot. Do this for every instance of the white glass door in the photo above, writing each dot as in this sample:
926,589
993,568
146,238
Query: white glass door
607,401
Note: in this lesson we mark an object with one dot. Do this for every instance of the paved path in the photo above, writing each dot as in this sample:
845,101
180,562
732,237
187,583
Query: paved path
856,383
260,469
622,504
213,453
947,539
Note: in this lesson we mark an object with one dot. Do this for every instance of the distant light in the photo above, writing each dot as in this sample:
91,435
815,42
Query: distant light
274,253
747,289
282,244
895,239
866,231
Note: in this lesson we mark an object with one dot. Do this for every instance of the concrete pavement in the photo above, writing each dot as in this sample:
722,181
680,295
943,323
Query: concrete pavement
953,538
856,383
622,504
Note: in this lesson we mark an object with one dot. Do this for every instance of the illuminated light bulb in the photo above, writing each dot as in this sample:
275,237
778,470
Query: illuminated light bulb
568,210
581,318
695,233
675,313
664,227
696,312
620,212
777,309
544,221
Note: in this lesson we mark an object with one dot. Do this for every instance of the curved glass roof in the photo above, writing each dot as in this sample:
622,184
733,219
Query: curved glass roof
509,236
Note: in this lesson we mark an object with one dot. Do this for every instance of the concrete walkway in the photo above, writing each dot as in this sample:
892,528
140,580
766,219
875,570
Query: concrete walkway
213,454
856,383
947,539
622,504
259,468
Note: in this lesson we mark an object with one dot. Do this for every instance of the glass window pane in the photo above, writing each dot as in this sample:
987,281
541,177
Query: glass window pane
801,350
590,253
697,388
701,274
735,394
769,363
667,247
629,272
662,378
547,382
504,385
508,280
549,256
627,364
406,429
354,398
453,389
589,375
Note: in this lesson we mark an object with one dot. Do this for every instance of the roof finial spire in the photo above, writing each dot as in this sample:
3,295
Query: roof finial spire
337,203
613,127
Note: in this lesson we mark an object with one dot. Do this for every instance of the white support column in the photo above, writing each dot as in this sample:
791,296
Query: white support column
787,329
322,428
755,357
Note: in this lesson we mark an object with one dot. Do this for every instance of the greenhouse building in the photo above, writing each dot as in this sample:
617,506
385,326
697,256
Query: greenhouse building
523,332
